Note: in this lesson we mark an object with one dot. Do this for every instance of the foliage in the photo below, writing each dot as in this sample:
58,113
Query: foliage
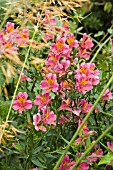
56,104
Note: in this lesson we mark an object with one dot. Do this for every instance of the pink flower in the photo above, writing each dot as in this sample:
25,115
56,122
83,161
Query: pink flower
9,27
71,41
65,105
24,77
64,85
48,116
83,53
52,60
62,67
42,100
20,103
93,157
110,145
23,37
63,120
86,77
37,121
50,83
84,68
60,47
49,35
35,169
107,95
83,166
8,49
85,106
83,84
111,42
49,19
66,163
86,42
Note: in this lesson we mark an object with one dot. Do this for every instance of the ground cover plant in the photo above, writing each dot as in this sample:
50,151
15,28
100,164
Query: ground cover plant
56,92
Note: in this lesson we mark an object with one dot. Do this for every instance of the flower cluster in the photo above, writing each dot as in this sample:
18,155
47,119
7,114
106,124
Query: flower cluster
68,76
48,118
11,39
86,77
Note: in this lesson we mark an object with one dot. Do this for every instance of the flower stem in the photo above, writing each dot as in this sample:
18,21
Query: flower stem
100,48
26,57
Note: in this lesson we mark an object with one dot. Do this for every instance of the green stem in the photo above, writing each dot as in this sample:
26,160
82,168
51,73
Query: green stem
26,57
82,124
100,48
92,145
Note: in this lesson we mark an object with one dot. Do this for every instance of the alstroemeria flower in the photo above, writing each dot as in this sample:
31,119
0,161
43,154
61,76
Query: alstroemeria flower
23,37
62,67
71,41
107,95
20,103
60,47
52,60
96,155
66,163
86,77
37,122
49,34
50,83
49,19
83,166
9,27
65,105
85,106
63,120
42,100
35,169
48,117
110,145
86,42
83,84
82,53
24,77
111,42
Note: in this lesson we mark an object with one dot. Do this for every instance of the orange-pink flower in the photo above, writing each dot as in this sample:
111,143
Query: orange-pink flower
50,83
20,103
42,100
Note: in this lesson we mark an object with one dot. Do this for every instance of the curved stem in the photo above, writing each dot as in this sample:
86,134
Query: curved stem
80,127
26,57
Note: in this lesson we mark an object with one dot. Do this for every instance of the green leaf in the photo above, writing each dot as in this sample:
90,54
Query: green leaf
106,159
18,147
48,155
36,162
108,7
52,95
110,31
99,33
38,149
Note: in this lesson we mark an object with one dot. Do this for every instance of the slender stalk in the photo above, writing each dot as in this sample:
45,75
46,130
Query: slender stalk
95,55
26,57
82,124
92,145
